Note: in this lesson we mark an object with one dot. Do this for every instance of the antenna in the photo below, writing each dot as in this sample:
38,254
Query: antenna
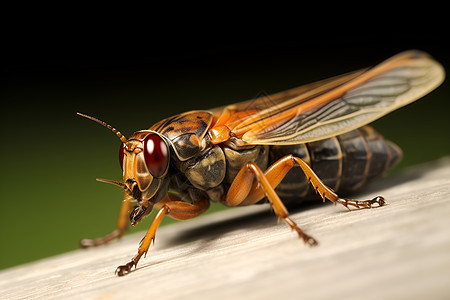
119,135
120,184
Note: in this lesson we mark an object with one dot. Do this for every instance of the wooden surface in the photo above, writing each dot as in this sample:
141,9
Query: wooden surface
400,251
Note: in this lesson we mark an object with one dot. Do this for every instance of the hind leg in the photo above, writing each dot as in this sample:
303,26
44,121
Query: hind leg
244,190
276,172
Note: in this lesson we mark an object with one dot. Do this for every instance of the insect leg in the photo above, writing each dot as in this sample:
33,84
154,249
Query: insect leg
276,172
175,209
122,226
326,192
241,188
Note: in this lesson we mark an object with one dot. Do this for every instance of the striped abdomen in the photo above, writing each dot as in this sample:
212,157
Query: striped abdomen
345,162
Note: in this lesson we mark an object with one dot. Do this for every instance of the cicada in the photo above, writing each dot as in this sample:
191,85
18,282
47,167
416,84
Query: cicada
268,149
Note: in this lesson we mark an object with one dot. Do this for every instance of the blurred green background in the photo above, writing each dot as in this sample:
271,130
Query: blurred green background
50,157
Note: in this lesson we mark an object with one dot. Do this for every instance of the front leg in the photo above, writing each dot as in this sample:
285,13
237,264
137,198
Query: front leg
175,209
122,226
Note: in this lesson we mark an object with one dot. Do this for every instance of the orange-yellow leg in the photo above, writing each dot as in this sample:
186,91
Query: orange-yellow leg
244,191
175,209
276,172
122,226
241,188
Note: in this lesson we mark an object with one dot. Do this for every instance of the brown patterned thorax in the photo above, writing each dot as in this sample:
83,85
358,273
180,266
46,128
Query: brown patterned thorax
186,132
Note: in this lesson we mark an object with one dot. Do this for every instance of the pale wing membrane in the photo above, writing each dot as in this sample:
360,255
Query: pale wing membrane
392,84
268,104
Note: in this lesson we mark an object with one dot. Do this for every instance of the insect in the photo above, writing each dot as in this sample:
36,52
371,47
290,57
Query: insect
261,149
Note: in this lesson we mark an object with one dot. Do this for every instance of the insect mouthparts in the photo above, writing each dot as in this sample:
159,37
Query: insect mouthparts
133,187
136,192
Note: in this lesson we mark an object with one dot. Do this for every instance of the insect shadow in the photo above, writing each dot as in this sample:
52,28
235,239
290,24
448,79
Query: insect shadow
213,231
397,179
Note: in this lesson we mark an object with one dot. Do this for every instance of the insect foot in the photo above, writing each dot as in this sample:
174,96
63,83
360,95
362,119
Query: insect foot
86,243
309,240
378,200
125,269
362,204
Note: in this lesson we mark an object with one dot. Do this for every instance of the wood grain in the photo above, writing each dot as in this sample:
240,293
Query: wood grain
398,251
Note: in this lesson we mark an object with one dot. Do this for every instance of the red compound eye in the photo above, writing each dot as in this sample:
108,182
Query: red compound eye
156,155
121,155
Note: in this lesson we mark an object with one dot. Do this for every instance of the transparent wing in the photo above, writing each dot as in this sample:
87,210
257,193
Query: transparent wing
334,106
